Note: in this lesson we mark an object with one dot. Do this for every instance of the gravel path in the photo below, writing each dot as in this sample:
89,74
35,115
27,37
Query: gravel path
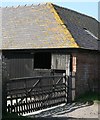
74,110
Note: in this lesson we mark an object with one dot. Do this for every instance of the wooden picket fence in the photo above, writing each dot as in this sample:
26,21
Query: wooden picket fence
26,95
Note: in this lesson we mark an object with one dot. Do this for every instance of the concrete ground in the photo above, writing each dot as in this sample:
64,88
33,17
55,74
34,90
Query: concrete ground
74,110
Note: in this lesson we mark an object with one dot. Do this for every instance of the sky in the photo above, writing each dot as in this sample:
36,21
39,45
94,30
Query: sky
88,7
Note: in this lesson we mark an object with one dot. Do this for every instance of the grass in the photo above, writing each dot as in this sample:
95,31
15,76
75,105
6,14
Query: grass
12,116
89,96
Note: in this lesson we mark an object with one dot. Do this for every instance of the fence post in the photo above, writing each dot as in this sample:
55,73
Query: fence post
0,85
4,96
69,92
66,88
73,86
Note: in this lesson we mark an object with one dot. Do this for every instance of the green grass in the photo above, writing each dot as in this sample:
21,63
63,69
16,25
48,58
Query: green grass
89,96
14,116
11,116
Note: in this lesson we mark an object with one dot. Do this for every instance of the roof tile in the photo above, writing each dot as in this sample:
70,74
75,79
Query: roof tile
44,26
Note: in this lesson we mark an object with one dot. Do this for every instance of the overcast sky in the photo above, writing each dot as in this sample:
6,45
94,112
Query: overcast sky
88,7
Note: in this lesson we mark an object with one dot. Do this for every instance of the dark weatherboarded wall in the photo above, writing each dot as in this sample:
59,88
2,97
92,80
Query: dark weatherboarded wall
18,65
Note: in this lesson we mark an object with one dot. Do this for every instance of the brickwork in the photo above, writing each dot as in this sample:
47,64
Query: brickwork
86,72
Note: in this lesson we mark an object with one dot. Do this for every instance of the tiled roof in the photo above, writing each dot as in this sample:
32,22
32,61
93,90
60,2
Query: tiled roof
43,26
77,24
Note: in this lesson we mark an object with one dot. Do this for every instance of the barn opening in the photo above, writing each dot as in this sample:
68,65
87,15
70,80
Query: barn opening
42,60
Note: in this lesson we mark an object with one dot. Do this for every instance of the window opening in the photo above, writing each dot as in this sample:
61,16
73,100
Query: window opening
42,60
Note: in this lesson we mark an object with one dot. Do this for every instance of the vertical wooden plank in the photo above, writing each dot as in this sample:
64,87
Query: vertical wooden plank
29,106
24,107
73,86
66,88
1,102
11,102
14,108
19,111
68,77
36,104
4,93
32,105
58,61
16,103
39,102
9,108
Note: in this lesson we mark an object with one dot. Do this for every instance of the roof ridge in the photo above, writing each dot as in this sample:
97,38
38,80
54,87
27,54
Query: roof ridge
49,3
25,5
76,12
65,29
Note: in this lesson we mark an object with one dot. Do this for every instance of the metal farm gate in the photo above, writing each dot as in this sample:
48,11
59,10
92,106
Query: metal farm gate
29,94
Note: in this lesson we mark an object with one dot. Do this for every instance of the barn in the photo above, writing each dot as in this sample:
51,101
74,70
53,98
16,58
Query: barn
46,41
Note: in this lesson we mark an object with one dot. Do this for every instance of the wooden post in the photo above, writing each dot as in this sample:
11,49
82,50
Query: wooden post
69,80
0,64
66,89
99,56
0,85
4,86
69,89
73,86
4,97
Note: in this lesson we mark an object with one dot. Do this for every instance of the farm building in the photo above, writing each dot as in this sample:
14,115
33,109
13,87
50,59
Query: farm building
42,41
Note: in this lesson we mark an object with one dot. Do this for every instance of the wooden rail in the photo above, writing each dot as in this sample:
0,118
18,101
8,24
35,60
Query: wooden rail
33,95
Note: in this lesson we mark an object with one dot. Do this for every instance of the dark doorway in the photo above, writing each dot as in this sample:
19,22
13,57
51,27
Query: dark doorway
42,60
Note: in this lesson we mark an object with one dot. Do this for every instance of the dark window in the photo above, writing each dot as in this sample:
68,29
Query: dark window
42,60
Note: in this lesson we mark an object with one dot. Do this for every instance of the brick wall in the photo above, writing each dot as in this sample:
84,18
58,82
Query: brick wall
86,77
